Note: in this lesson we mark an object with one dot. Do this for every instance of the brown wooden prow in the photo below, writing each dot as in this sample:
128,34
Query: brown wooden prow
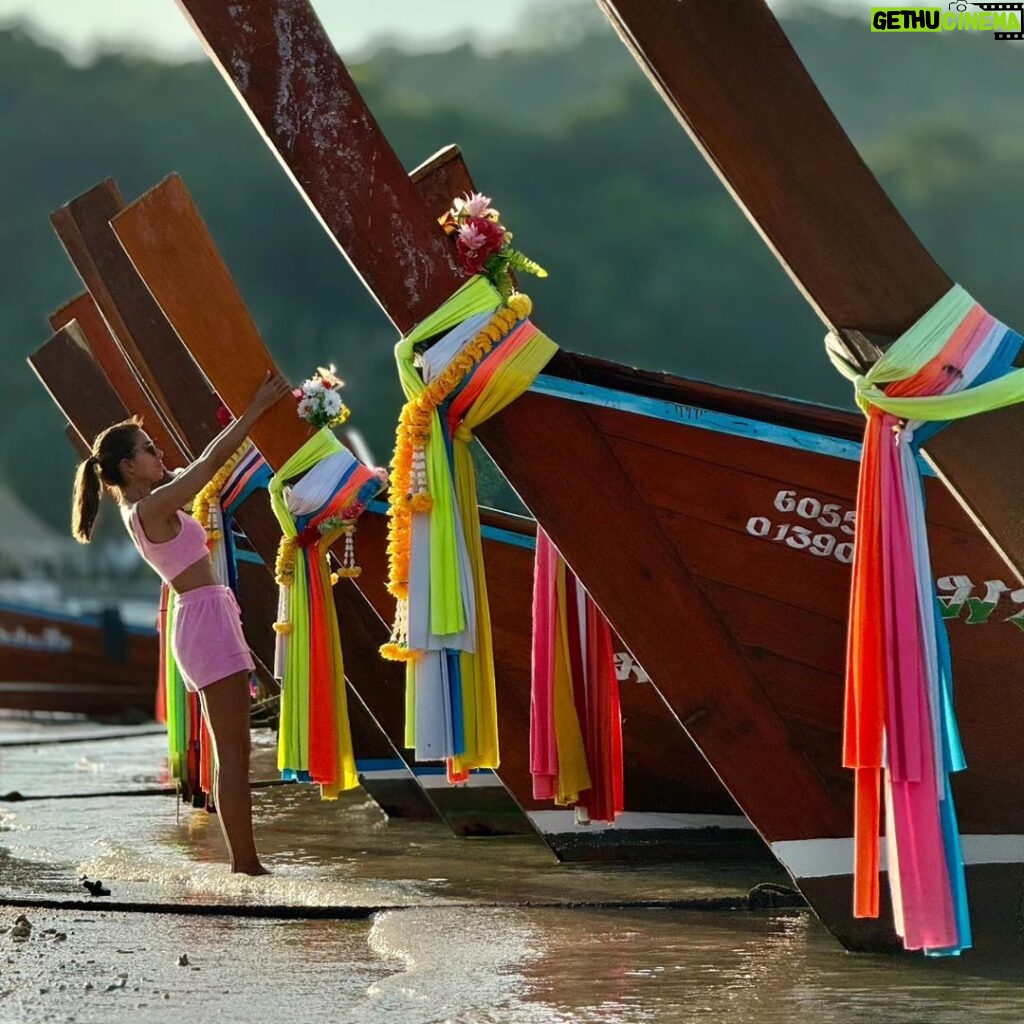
731,77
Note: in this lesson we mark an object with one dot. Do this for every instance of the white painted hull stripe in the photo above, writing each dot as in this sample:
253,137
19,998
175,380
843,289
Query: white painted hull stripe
385,774
822,858
563,822
440,781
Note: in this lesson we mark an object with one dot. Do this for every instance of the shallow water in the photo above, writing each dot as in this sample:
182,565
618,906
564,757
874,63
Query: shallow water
474,930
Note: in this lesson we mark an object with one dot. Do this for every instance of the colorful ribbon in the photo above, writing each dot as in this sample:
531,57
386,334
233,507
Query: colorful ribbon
575,718
900,732
485,353
314,743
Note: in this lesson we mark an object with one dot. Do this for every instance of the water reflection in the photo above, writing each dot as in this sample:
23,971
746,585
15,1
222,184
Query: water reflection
459,943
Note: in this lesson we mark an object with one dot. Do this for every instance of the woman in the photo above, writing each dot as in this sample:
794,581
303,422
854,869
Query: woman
207,639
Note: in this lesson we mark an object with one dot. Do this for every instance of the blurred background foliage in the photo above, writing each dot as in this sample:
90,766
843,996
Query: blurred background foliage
651,263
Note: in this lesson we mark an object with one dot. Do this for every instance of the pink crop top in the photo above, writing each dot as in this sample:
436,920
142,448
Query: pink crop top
170,558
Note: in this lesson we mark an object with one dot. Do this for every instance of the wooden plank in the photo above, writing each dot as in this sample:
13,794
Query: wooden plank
303,100
169,245
118,372
64,365
728,73
135,321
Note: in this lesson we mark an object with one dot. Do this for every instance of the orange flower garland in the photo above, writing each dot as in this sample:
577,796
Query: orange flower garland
210,494
409,492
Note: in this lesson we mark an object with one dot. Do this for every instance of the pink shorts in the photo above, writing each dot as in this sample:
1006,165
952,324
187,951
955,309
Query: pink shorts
207,640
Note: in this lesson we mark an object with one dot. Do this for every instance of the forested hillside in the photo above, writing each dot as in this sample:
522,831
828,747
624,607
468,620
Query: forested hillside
650,262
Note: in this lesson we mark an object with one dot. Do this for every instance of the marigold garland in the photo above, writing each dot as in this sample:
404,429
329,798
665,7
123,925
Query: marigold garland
209,496
408,465
284,566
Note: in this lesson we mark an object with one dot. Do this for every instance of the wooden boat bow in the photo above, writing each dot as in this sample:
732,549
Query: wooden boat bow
732,78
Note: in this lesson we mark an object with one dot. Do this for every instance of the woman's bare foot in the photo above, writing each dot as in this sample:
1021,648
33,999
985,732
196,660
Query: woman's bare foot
249,869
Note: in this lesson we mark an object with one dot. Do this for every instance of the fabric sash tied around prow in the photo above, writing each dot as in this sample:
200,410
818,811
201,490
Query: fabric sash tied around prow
330,490
485,354
900,733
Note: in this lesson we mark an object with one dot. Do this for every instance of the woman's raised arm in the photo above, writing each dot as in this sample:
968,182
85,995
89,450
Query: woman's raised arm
166,499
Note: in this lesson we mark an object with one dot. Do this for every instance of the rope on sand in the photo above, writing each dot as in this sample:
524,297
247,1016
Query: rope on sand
87,738
14,797
292,912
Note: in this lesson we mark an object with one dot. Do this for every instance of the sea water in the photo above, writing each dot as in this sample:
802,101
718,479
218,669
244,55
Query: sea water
482,930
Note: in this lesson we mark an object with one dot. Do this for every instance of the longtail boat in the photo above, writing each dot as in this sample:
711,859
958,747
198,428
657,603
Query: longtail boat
675,807
733,80
691,816
90,664
670,563
898,329
71,366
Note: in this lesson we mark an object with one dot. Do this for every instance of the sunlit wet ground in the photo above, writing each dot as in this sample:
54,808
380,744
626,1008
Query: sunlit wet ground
474,931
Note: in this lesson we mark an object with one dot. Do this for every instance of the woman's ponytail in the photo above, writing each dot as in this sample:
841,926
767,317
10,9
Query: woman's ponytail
103,467
86,501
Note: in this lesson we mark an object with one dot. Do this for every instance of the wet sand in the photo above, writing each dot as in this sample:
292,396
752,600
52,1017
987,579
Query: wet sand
470,931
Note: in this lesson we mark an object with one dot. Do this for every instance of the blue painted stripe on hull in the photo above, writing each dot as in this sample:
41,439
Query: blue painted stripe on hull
379,764
703,419
676,412
79,620
518,540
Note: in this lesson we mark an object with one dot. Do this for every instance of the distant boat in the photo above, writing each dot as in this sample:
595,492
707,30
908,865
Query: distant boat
88,664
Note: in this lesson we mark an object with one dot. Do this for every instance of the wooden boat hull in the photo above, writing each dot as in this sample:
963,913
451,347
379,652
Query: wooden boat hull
756,498
676,807
384,776
201,283
692,580
89,664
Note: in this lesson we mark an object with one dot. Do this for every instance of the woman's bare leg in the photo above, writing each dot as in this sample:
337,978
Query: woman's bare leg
226,707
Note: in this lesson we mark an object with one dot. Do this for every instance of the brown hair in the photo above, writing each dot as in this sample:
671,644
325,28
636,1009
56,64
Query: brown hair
102,467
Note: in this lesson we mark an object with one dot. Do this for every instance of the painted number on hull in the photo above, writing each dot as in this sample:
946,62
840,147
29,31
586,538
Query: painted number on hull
822,533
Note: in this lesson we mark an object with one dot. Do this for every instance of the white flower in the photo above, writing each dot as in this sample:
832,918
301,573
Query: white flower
474,204
313,387
332,403
305,408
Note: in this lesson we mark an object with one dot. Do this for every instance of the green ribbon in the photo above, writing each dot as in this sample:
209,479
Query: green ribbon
916,347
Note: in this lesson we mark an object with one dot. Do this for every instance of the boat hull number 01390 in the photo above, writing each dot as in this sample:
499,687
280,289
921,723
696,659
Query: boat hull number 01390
821,528
825,529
